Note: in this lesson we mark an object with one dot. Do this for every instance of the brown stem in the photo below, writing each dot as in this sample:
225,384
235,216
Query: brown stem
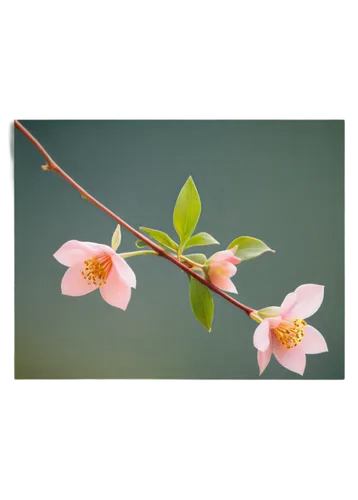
53,166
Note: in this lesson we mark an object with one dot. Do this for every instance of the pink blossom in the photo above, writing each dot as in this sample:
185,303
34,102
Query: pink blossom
92,266
287,335
221,267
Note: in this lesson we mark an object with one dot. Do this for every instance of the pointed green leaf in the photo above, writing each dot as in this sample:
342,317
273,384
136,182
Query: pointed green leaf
202,303
269,312
201,239
161,237
199,258
116,238
249,248
186,211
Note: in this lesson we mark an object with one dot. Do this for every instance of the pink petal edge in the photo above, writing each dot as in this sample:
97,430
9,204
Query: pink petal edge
125,271
263,358
221,256
293,359
116,292
74,284
287,303
313,341
223,283
222,269
234,260
262,336
73,252
308,299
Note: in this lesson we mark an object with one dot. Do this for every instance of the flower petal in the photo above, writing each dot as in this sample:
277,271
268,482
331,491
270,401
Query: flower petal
263,358
293,359
287,303
229,269
233,259
313,342
124,270
73,282
223,282
308,299
222,256
73,252
99,248
116,292
222,269
275,321
262,336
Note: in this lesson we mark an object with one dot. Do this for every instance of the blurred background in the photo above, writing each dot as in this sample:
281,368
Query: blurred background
280,181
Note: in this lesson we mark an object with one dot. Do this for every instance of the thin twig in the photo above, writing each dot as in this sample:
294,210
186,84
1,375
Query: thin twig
52,165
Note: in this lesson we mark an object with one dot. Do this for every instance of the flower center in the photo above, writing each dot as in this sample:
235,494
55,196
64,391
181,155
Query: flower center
96,269
290,333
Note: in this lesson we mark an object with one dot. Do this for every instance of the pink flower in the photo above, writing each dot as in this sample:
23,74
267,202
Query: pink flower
221,267
93,266
287,335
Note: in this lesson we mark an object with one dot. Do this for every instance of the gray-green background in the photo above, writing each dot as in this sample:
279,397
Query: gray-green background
280,181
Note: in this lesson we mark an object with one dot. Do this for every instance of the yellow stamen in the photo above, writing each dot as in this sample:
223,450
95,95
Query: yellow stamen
96,269
289,333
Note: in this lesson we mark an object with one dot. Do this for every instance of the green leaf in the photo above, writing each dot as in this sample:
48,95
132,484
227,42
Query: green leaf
116,238
199,271
198,258
249,248
269,312
202,303
161,237
186,211
140,244
201,239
